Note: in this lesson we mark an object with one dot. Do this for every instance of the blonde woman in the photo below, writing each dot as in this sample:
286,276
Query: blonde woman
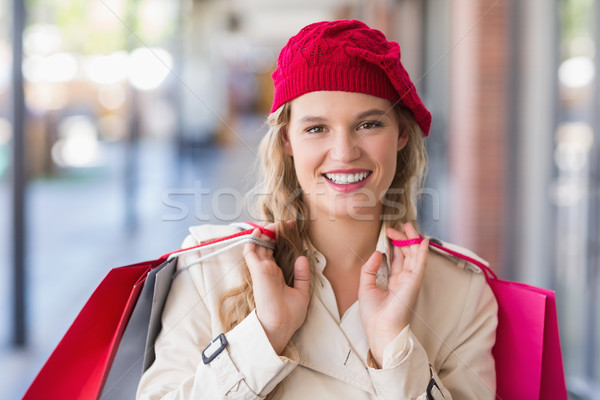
335,310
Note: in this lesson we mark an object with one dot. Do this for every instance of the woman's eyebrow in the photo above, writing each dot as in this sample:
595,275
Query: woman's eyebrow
311,119
375,112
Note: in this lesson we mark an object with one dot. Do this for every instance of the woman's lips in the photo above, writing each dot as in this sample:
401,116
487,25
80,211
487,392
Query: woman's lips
346,181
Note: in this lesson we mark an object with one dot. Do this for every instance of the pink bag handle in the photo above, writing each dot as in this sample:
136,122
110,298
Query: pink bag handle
487,271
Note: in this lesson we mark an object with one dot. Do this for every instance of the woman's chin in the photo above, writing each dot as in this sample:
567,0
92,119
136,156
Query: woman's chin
353,211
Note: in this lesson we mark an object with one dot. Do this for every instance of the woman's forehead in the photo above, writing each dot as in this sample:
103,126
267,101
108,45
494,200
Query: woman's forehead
326,104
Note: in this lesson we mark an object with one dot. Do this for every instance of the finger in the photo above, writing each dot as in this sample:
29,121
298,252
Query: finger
394,234
252,260
268,238
250,247
278,227
259,250
368,273
420,263
412,233
266,251
418,260
397,264
421,260
273,227
302,275
256,233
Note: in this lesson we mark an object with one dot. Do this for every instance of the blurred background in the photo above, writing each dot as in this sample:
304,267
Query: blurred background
123,122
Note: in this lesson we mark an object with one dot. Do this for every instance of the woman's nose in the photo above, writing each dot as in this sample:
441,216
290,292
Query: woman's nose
345,147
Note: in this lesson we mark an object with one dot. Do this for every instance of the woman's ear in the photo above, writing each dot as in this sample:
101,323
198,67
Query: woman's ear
402,139
286,142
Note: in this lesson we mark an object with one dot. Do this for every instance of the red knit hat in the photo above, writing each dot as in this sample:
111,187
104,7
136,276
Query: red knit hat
346,56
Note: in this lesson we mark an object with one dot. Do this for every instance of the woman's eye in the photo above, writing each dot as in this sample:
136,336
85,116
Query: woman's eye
315,129
370,125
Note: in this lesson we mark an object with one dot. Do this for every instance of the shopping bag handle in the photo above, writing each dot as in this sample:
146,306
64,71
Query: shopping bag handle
224,243
487,271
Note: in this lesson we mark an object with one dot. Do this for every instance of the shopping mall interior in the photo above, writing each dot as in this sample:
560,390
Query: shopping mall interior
128,121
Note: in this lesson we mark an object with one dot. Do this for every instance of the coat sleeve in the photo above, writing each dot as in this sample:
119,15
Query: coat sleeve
248,367
467,372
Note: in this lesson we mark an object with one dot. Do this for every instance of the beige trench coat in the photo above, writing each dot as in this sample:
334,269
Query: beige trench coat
448,342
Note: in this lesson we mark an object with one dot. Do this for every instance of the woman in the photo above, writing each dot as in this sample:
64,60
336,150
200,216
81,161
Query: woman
335,311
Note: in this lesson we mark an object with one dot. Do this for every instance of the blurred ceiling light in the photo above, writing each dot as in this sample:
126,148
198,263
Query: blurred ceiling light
576,72
46,96
78,143
42,39
156,14
103,14
106,70
62,67
148,67
58,68
32,69
112,97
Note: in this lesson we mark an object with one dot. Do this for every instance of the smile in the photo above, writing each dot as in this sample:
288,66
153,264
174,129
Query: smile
347,179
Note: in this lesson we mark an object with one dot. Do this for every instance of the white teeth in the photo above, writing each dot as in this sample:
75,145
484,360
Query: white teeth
344,179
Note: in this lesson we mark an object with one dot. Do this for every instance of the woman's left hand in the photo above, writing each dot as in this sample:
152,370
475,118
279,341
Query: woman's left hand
384,314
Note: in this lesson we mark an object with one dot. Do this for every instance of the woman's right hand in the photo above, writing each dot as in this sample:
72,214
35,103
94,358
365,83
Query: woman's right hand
281,309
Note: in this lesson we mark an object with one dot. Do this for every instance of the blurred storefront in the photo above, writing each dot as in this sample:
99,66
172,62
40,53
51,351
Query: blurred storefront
514,171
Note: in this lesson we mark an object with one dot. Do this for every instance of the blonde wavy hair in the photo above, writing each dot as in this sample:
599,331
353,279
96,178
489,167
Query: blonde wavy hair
278,198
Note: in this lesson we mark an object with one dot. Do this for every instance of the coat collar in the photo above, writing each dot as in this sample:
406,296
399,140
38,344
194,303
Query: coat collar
383,246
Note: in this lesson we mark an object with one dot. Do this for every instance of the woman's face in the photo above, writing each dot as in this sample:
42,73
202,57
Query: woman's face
344,147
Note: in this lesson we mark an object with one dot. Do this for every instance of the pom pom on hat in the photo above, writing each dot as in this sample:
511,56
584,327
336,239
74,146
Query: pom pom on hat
345,56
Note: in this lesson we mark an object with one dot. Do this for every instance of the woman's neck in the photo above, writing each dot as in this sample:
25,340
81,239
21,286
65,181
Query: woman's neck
345,243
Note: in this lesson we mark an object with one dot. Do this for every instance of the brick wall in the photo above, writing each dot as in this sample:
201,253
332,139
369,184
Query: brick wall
478,126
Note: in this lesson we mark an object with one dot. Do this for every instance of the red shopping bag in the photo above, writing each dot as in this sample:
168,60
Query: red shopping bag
135,352
76,367
527,351
81,362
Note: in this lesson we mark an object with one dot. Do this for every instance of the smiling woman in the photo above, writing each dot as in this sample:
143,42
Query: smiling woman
335,310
